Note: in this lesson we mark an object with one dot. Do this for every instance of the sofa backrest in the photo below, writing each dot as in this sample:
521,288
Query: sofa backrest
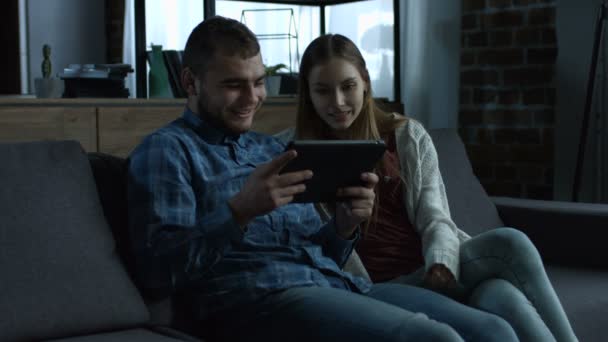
110,177
61,275
471,208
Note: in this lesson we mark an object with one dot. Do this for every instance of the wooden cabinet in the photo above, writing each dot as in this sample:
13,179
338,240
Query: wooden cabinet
122,128
19,124
112,126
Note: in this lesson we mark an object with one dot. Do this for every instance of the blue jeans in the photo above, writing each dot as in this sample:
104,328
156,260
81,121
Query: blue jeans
501,272
389,312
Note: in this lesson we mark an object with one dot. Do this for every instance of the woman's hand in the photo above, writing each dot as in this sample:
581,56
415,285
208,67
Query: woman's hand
357,206
439,278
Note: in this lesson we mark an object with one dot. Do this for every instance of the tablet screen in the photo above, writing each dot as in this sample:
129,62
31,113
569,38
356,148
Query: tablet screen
334,163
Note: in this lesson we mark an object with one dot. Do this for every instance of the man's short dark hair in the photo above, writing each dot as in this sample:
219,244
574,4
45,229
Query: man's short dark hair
218,34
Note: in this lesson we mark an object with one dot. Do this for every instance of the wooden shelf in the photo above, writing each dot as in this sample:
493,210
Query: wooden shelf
28,101
113,126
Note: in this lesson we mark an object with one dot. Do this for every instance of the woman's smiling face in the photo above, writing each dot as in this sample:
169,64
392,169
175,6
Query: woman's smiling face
337,92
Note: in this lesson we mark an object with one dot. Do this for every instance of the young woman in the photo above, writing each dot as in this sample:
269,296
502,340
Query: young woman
412,238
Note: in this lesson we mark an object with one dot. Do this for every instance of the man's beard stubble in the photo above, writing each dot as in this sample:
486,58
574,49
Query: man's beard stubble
216,119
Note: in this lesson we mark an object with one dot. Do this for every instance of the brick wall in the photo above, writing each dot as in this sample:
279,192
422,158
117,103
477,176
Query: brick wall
507,94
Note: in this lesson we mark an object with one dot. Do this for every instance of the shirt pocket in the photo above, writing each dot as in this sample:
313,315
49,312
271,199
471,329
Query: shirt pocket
301,222
267,230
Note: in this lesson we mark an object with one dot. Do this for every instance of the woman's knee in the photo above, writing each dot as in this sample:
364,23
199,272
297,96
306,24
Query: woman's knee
512,236
516,243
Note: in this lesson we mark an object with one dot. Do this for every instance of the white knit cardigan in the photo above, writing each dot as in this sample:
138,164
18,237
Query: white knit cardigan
425,199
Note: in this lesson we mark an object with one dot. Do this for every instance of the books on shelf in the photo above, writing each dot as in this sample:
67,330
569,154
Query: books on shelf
95,80
173,62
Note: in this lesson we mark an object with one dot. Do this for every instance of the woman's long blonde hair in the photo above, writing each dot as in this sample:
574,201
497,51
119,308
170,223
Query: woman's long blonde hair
372,123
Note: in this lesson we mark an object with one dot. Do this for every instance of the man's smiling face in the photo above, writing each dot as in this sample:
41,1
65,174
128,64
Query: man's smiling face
231,90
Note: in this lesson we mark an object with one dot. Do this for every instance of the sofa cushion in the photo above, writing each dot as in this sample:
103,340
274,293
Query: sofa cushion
583,296
470,207
61,273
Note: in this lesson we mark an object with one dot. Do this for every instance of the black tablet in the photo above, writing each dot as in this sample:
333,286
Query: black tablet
334,163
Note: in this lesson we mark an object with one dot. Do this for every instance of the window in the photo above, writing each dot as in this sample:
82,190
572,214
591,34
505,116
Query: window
285,30
168,22
370,25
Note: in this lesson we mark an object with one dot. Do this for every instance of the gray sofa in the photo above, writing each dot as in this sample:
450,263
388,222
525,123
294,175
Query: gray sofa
65,261
63,274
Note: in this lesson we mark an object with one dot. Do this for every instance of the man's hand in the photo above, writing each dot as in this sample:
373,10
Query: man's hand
357,207
266,190
439,278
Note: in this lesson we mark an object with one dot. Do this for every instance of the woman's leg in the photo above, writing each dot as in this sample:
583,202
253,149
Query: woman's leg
500,297
416,278
508,254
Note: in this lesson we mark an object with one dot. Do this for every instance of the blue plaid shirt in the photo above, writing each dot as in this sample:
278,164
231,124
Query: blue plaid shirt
184,235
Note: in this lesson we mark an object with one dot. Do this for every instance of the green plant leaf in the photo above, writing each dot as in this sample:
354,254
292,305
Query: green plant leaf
274,69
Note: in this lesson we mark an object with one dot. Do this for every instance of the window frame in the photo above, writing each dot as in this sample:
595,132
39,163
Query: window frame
209,10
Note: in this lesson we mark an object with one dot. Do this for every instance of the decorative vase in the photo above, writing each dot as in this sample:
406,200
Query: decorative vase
273,85
158,80
48,87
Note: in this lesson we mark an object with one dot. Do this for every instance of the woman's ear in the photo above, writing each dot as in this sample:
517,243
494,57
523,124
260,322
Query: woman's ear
189,82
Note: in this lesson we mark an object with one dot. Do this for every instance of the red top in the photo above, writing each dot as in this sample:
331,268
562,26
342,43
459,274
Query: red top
391,246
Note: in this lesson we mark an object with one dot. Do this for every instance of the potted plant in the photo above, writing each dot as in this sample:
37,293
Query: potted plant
273,79
47,86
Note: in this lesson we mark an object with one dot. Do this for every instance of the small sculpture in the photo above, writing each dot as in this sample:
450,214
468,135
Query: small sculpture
46,63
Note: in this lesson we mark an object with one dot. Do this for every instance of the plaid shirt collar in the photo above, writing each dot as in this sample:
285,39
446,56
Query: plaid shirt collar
208,132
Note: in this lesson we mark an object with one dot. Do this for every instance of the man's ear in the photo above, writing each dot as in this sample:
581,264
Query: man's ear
189,82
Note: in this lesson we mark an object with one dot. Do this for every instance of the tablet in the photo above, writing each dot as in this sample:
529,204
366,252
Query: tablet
334,163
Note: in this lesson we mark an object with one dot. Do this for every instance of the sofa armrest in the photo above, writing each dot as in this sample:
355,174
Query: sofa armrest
565,233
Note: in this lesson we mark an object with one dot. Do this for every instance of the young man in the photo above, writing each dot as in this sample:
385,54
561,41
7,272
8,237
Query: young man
210,217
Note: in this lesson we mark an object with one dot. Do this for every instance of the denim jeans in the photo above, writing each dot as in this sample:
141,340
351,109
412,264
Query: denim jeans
389,312
501,272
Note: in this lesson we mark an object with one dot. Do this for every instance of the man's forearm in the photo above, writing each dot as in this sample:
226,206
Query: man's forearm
174,254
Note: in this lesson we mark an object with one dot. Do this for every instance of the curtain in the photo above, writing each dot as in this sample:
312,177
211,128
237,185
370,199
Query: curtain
430,61
128,46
